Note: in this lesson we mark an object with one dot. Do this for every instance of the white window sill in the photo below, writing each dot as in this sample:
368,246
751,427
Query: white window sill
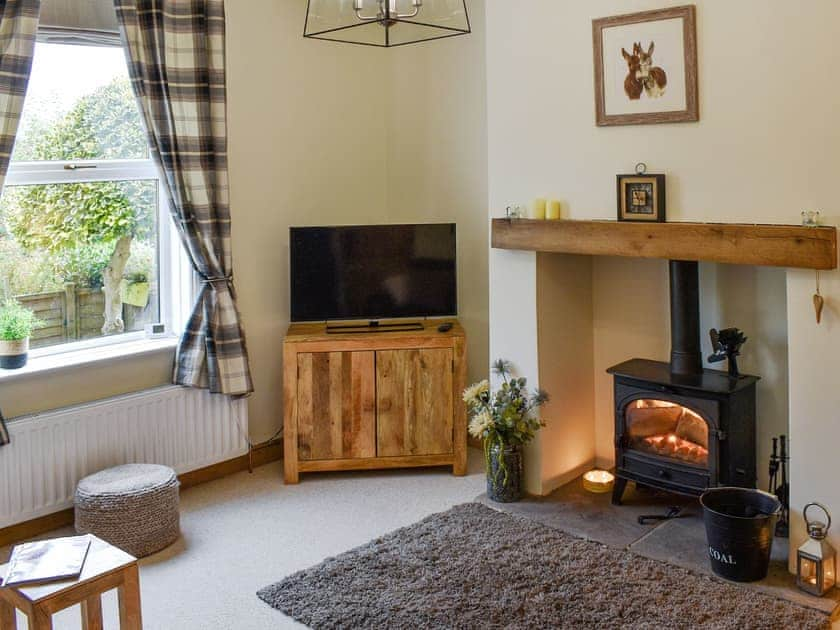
60,361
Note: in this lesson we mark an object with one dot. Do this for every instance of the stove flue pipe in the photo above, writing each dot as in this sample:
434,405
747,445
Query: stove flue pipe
686,357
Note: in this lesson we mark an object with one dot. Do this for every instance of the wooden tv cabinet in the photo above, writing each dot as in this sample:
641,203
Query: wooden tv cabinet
361,401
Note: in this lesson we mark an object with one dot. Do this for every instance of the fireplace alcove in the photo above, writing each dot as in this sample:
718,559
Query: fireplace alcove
571,306
556,319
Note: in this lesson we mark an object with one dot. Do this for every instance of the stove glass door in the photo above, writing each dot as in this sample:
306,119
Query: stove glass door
666,429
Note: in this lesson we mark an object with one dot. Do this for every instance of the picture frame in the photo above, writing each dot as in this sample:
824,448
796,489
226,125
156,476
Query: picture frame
646,67
641,197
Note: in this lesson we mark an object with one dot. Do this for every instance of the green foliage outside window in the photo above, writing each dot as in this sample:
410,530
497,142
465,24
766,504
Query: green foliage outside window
69,232
102,125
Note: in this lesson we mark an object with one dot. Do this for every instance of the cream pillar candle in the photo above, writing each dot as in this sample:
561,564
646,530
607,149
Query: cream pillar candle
538,209
553,210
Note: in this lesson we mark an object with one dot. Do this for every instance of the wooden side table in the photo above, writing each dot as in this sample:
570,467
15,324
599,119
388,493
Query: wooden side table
106,567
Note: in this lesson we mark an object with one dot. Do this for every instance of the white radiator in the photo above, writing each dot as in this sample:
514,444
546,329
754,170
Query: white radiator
50,452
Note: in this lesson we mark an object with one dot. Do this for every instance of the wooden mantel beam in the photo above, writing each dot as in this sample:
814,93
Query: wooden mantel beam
733,243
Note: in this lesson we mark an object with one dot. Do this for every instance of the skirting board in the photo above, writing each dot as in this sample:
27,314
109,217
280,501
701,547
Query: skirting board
259,457
550,485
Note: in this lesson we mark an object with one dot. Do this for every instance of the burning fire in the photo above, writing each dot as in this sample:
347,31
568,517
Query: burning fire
671,445
647,403
669,430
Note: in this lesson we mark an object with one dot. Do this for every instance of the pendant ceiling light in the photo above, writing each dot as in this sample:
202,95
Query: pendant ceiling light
385,23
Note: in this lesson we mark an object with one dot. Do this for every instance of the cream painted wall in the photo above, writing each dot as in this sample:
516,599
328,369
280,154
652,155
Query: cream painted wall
307,147
513,286
764,149
21,395
323,133
631,319
814,398
437,159
564,326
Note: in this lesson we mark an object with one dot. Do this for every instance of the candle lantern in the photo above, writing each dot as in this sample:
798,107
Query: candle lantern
815,560
598,481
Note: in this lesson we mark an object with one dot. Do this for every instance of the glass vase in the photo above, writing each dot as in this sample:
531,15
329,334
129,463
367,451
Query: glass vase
504,473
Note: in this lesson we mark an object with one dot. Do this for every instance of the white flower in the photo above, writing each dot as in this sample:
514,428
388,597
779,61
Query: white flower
473,392
480,423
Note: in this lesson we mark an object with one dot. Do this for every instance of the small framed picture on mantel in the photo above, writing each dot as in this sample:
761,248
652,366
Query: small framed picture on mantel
646,67
641,197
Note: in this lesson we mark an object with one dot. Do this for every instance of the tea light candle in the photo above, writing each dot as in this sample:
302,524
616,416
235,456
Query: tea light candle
539,209
553,210
598,481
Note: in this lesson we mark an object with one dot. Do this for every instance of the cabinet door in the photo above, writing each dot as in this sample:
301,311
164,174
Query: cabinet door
336,405
414,402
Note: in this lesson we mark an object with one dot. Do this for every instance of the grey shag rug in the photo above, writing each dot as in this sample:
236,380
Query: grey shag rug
474,567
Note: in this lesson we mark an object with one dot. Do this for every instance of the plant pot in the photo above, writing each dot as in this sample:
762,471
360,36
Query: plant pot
134,293
504,474
13,354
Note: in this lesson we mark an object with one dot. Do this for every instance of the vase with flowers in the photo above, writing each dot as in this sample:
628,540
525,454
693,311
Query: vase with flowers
505,421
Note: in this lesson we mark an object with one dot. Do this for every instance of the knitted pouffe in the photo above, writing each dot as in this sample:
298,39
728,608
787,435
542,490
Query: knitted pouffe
133,507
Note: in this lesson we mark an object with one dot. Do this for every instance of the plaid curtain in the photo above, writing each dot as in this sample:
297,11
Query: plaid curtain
4,432
18,26
176,59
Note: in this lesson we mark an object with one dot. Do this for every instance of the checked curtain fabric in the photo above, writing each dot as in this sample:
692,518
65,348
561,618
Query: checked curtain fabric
176,60
18,26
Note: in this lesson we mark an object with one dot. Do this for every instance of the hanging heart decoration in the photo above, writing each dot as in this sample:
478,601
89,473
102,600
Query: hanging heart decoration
819,302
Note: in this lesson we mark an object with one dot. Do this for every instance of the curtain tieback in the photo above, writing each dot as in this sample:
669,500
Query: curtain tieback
228,280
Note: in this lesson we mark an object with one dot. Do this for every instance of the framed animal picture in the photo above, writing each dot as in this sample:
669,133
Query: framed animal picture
646,67
641,197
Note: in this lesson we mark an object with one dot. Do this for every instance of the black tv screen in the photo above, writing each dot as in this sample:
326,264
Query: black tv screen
372,272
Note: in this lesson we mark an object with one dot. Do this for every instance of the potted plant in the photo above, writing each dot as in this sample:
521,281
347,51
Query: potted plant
134,290
505,421
16,324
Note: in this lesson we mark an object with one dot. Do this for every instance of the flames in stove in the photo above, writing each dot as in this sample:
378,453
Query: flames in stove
668,430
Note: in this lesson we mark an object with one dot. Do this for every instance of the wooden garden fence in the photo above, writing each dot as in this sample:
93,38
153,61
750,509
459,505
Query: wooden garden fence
68,315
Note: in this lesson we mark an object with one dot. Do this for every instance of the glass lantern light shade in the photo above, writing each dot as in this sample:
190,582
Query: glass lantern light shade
816,564
385,23
815,567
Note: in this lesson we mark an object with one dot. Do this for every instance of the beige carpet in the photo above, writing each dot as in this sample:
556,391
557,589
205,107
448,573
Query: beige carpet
476,567
245,531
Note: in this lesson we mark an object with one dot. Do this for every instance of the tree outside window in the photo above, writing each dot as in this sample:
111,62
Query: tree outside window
98,235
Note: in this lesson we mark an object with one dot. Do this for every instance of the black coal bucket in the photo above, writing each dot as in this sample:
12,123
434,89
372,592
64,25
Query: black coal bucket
740,524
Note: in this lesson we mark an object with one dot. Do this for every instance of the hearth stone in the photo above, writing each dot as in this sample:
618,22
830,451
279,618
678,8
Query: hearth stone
680,541
683,433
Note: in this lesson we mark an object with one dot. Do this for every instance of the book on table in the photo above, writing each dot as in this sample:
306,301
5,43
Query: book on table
47,561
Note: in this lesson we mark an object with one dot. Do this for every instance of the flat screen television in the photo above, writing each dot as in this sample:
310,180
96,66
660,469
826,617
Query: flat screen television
373,272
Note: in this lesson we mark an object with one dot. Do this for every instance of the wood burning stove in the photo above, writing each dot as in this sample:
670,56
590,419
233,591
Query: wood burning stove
679,427
682,433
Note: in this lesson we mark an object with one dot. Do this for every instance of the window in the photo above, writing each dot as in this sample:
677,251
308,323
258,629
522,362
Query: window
85,235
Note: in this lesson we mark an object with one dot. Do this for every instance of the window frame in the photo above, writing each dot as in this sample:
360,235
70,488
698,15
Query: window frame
176,279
